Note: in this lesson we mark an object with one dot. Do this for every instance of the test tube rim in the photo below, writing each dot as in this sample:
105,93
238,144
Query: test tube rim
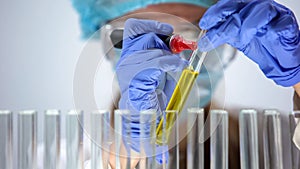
218,111
148,112
5,112
170,111
296,113
248,111
122,111
100,111
27,112
195,110
269,112
74,112
52,112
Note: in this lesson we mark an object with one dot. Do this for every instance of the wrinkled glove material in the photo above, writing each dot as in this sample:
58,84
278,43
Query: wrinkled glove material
265,31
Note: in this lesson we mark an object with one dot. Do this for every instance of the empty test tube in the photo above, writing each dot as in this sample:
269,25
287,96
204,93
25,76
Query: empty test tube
100,135
122,133
74,139
172,138
147,139
27,139
248,139
294,120
219,139
195,146
118,137
6,139
272,140
164,140
51,139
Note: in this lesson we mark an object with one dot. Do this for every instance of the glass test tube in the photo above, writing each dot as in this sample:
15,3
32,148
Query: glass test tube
219,139
118,137
248,139
183,87
74,139
27,139
272,140
51,139
126,120
164,140
294,119
147,139
172,139
6,139
122,128
100,135
195,148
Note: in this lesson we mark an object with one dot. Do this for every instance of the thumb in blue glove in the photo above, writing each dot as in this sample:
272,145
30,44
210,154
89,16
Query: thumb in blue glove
265,31
144,74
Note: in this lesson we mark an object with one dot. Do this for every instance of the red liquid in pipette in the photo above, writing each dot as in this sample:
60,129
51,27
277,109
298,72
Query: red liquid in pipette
178,44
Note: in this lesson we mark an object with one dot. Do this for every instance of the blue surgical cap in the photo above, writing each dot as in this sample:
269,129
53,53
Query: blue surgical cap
95,13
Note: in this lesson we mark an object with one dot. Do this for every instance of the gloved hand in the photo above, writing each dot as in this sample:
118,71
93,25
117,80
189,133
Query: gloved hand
265,31
144,73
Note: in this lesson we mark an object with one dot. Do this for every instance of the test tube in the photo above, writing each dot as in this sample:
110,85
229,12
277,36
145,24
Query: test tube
219,139
294,119
195,146
123,129
248,139
272,140
100,135
127,120
5,139
172,139
51,139
183,87
164,140
74,139
118,137
147,139
27,139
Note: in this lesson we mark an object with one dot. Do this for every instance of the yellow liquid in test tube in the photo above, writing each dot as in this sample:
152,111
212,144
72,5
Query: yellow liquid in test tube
179,96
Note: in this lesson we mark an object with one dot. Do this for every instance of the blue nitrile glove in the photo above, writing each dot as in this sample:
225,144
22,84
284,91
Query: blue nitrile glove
263,30
144,73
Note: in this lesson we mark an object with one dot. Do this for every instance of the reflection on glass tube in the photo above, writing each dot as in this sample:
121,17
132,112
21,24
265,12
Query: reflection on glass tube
248,139
100,135
272,140
5,139
195,146
219,139
51,139
74,139
27,139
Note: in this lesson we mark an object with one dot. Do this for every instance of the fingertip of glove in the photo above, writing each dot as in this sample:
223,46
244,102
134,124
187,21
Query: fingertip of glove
203,24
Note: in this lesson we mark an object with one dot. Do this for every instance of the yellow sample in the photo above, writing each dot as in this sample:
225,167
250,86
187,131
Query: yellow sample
179,96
